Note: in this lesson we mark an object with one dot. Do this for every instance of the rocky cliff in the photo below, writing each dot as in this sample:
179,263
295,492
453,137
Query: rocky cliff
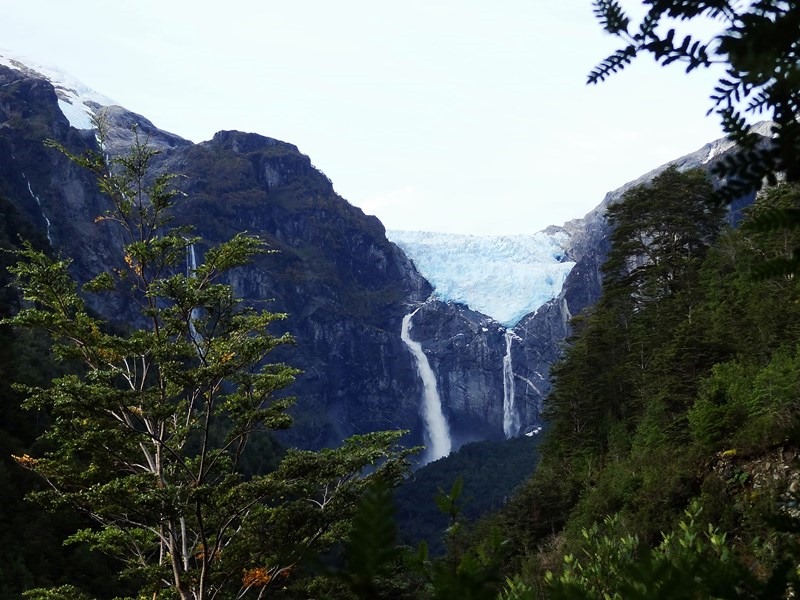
345,287
544,331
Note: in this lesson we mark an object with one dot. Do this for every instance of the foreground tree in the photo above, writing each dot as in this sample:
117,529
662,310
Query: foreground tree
149,431
760,48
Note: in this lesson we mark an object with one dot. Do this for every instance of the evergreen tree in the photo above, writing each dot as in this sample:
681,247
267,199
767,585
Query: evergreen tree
660,233
149,430
614,364
685,388
759,47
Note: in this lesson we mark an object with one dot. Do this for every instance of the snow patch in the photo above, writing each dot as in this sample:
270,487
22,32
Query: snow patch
717,148
78,102
504,277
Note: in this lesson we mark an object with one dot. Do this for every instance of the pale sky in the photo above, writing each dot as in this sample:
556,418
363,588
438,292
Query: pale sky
462,116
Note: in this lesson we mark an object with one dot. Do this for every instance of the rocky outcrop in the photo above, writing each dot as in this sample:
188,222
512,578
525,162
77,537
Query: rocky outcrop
545,331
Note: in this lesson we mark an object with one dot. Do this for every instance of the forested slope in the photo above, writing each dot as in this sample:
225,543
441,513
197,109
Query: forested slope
680,390
32,553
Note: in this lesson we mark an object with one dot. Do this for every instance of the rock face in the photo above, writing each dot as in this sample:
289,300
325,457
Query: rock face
345,287
465,350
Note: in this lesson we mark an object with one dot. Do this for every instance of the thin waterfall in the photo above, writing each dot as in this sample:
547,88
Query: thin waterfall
41,210
536,429
191,267
511,422
437,432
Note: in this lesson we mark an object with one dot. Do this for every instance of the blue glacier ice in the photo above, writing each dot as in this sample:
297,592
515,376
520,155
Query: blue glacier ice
504,277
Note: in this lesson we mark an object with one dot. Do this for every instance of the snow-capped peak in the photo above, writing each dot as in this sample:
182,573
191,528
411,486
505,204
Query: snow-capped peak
720,146
78,102
504,277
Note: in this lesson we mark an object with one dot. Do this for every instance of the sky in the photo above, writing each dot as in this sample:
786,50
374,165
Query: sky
458,116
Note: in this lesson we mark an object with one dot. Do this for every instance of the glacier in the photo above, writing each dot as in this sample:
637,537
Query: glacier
77,101
504,277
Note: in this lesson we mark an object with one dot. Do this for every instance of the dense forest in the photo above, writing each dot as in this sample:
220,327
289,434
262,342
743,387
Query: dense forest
679,391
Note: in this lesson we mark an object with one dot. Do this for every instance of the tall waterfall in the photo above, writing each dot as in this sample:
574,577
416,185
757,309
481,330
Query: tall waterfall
191,267
511,422
437,432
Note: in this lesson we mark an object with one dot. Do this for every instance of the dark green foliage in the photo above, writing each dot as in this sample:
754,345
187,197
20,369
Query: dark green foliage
660,232
692,563
778,217
371,546
620,356
377,568
490,471
687,360
470,569
475,575
758,45
749,407
62,592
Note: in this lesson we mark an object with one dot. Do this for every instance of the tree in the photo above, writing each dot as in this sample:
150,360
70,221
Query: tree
760,49
660,231
660,234
149,430
690,562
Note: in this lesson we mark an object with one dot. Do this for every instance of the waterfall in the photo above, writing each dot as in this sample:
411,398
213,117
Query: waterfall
437,433
191,261
510,418
39,202
191,267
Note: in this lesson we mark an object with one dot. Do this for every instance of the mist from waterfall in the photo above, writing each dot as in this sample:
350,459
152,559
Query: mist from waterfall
437,432
511,422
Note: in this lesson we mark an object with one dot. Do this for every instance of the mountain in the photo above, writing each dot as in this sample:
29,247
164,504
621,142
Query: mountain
344,285
531,286
452,345
349,292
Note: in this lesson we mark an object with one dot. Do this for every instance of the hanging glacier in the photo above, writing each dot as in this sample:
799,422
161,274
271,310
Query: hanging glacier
504,277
